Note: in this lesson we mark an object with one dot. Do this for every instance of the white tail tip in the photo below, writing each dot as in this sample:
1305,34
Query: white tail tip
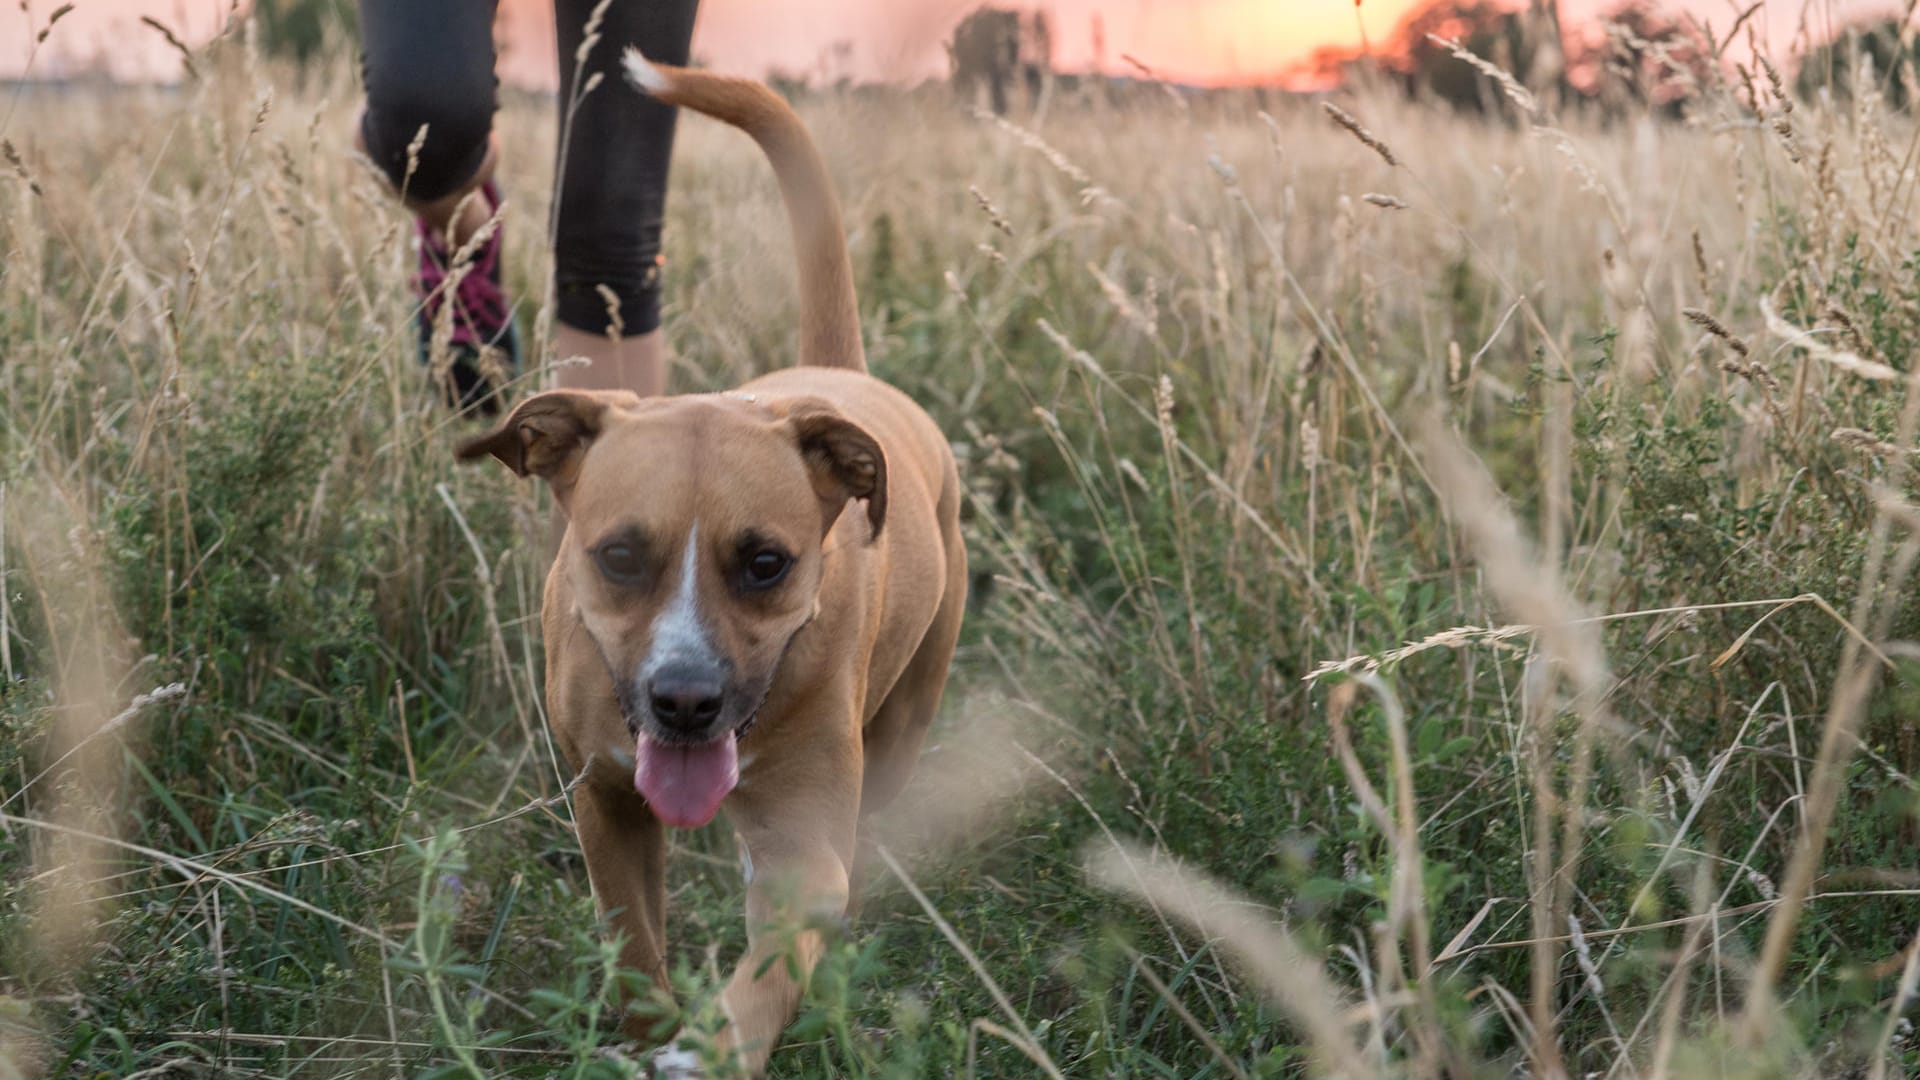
641,72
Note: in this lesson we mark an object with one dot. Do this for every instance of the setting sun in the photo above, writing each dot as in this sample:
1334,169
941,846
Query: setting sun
1207,42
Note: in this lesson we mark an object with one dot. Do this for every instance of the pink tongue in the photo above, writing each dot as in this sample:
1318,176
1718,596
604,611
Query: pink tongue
686,784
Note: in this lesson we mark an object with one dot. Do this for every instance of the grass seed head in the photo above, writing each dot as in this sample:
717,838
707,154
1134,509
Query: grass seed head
1367,138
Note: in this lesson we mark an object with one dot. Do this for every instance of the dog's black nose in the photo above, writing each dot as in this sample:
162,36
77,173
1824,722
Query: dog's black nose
685,700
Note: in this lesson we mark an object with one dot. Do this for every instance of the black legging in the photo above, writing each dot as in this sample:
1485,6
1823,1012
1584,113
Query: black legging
431,62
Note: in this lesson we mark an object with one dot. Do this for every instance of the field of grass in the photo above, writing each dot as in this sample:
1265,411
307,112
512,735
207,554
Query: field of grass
1444,599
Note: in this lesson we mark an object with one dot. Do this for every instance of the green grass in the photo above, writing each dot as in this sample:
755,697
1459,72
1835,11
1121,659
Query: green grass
1208,401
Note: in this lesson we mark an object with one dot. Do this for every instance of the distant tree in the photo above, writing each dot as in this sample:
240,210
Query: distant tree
298,28
985,51
998,48
1871,51
789,84
1648,58
1522,42
1036,52
1634,58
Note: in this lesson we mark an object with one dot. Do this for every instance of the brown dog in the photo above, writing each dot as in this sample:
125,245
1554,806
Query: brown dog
719,634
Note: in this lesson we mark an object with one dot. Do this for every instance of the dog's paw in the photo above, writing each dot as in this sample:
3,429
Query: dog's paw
626,1054
673,1062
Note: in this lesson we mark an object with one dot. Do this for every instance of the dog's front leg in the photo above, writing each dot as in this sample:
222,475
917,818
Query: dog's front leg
625,848
788,905
799,838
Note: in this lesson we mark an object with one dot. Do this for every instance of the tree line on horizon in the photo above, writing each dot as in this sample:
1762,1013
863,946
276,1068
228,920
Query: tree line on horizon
1638,55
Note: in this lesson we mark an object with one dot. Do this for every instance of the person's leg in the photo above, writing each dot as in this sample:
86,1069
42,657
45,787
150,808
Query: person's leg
614,362
429,63
428,125
612,189
439,214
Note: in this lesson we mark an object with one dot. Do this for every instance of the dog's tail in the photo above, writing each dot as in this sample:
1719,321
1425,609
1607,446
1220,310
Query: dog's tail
829,315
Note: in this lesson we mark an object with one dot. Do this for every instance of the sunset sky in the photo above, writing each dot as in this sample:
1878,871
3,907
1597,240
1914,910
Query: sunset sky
1202,41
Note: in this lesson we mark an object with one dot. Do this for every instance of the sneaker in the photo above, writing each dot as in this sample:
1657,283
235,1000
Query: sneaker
482,346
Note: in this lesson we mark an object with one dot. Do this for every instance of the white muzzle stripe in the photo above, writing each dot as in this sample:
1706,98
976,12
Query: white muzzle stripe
680,634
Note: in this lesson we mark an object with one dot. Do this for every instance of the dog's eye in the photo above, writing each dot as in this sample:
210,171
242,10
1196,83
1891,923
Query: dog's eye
765,568
619,561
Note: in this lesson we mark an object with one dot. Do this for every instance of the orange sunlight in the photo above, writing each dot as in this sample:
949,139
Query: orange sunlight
1198,41
1231,41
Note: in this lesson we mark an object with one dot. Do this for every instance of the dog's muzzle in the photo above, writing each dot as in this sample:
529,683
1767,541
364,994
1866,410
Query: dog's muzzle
685,699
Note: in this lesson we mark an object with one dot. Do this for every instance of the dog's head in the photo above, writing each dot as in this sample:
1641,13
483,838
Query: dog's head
694,550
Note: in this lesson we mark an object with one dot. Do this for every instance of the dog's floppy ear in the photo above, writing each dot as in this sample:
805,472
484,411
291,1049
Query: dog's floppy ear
843,461
546,434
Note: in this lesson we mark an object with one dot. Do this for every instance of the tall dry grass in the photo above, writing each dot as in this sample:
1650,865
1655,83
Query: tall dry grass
1416,553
